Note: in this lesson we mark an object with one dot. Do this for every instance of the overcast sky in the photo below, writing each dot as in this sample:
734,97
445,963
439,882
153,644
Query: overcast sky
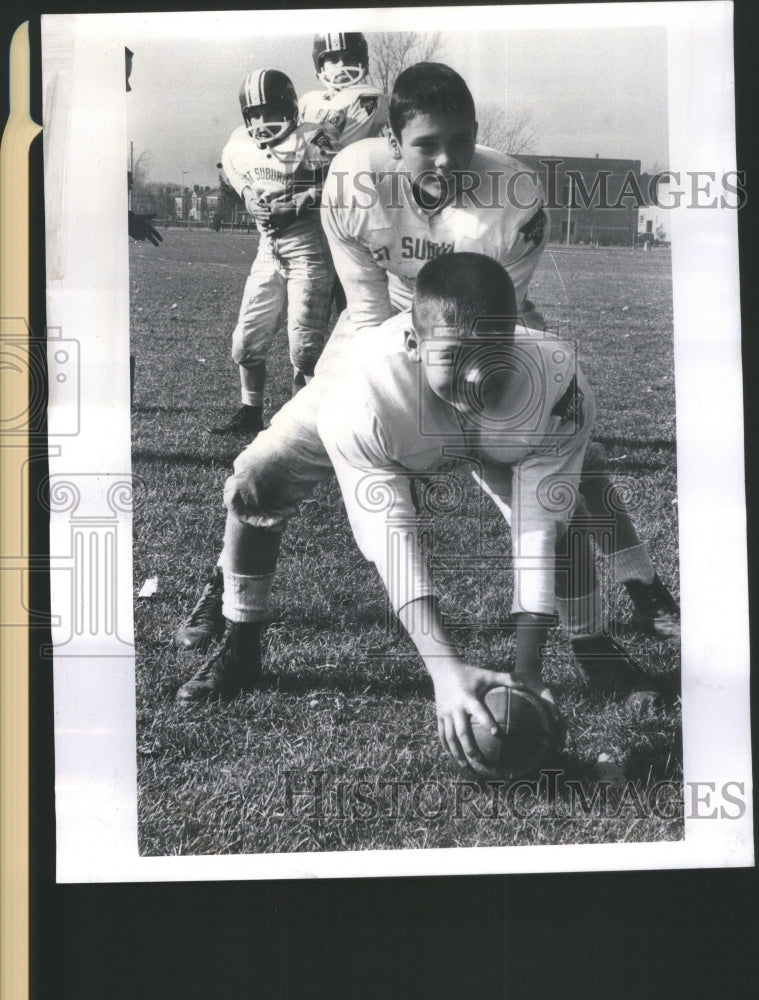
585,90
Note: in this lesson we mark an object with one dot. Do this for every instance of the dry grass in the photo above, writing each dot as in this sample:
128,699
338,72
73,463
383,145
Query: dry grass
343,694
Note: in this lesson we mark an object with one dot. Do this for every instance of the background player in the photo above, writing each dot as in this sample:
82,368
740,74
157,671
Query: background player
349,108
278,171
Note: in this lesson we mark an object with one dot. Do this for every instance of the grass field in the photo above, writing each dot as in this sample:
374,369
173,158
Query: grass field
338,749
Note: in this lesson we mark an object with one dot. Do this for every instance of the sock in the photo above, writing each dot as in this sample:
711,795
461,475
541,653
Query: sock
252,382
581,617
632,564
246,598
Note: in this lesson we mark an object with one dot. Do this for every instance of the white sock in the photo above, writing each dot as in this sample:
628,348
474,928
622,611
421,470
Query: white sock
582,616
632,564
246,598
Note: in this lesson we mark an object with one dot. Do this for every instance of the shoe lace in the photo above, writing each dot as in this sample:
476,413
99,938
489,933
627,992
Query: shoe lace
208,608
211,667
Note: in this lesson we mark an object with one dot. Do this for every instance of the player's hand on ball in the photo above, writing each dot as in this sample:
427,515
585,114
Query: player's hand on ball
460,689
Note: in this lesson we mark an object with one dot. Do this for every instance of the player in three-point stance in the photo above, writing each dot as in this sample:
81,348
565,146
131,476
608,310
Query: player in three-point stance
457,376
423,206
277,169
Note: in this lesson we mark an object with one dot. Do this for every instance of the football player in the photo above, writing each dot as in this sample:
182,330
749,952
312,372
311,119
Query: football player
349,108
387,209
278,171
456,382
422,205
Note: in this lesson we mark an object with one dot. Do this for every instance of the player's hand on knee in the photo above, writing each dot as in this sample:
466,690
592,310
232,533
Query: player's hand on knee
460,689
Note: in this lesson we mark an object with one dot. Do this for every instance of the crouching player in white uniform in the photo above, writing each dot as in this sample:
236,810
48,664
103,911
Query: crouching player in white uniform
277,170
453,378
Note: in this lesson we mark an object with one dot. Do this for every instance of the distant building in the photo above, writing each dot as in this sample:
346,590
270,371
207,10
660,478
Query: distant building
591,200
653,220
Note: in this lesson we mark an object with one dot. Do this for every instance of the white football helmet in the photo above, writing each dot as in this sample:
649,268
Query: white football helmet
353,48
269,106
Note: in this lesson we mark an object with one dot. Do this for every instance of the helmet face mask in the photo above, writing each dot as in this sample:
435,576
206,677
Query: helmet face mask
349,47
269,106
339,77
267,125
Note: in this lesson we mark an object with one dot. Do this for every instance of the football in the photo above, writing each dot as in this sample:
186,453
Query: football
528,732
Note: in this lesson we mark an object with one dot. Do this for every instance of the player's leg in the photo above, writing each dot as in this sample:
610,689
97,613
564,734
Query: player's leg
310,275
260,315
206,621
274,473
578,600
654,608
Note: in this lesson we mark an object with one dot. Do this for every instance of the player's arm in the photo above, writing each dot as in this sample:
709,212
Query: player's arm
526,218
385,525
239,178
308,184
234,171
362,278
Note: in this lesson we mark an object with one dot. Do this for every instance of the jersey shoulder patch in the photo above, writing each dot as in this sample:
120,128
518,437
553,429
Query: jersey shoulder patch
368,103
534,228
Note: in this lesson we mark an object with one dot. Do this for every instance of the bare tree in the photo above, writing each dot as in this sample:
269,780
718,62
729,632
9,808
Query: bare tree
509,134
138,175
390,52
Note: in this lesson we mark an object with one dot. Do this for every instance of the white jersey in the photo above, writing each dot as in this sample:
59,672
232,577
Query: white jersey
386,425
345,116
275,172
380,237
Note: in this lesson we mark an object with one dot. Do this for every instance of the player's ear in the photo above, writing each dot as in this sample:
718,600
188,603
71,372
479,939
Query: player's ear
395,146
412,344
475,130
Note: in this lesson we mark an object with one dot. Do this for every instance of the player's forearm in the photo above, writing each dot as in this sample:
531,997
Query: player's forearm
423,621
364,281
532,631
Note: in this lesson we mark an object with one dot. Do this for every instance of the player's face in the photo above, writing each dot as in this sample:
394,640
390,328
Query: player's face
435,148
339,70
268,125
465,372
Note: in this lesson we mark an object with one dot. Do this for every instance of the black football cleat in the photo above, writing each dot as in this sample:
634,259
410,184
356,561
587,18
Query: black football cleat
299,380
246,420
233,668
655,610
609,665
206,621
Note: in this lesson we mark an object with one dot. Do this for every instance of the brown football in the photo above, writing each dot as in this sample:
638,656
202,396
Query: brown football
528,733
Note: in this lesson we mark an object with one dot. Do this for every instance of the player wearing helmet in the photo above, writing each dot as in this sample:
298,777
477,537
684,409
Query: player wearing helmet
350,108
278,171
